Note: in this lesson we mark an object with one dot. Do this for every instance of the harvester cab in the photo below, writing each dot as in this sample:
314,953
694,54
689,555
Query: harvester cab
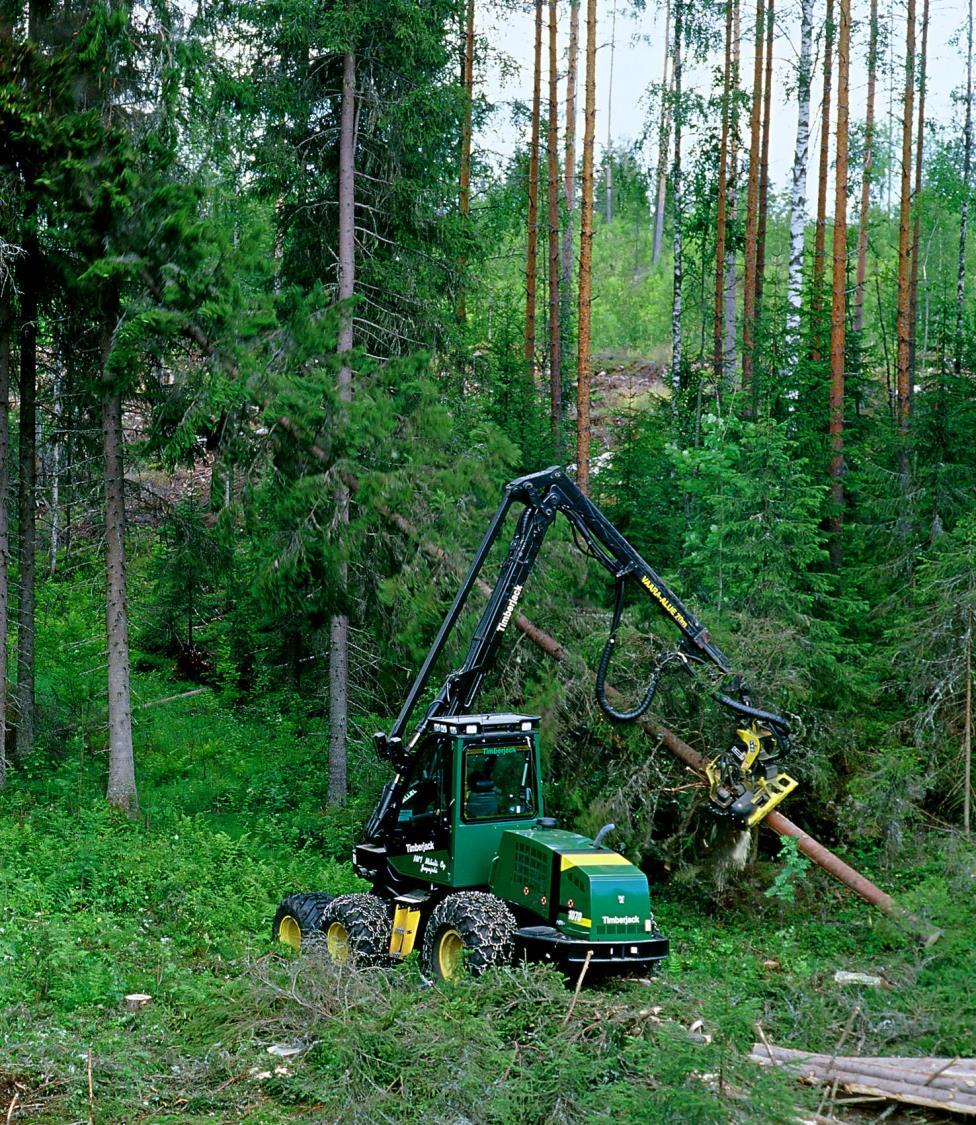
477,776
461,858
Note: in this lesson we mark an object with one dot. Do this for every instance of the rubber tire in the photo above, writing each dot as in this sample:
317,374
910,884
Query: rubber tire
485,926
305,910
368,927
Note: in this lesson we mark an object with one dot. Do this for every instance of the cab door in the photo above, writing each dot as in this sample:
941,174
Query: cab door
496,785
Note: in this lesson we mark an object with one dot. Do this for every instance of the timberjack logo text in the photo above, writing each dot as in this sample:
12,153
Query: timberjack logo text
668,606
628,920
509,609
425,847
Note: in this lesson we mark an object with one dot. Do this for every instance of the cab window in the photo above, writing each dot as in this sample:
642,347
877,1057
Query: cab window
499,783
424,800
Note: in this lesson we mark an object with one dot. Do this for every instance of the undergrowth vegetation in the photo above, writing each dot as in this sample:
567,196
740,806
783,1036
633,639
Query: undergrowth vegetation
178,904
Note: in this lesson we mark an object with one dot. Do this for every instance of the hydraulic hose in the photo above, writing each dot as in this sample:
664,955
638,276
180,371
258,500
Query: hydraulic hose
601,670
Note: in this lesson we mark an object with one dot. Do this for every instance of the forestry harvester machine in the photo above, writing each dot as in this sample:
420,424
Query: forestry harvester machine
464,865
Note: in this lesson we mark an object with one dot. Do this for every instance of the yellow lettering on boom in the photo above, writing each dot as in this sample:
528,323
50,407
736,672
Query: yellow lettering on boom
668,607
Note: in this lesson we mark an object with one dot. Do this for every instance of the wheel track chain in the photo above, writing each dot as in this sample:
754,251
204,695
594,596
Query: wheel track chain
368,923
485,924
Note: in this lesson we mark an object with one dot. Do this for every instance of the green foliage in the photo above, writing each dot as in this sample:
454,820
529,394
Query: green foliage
795,866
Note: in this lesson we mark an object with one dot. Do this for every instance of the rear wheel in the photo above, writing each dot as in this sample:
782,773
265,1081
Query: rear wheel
357,928
299,917
468,933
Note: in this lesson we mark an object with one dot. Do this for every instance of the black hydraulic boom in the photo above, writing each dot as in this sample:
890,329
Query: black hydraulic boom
544,495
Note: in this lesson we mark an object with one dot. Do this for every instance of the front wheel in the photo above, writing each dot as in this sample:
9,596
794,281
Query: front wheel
468,933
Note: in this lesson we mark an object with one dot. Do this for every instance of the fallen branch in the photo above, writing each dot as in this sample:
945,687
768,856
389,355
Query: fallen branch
173,698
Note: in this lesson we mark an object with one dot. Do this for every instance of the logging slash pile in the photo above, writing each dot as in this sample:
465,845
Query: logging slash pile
945,1084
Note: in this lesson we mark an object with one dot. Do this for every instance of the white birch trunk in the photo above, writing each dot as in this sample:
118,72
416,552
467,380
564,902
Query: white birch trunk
798,190
676,195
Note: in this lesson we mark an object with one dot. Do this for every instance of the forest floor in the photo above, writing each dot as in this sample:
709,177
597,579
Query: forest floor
178,905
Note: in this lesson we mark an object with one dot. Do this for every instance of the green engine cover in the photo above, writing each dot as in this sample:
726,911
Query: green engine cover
561,877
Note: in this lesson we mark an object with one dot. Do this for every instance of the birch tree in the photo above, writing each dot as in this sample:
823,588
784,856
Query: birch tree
663,143
676,196
798,189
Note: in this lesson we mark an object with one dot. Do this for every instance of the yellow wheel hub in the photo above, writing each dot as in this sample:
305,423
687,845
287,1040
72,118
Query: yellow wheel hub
290,932
338,944
450,955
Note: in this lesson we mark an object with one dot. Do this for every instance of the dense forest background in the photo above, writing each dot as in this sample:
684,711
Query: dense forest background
274,333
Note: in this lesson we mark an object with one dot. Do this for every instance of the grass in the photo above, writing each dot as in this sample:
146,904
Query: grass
178,905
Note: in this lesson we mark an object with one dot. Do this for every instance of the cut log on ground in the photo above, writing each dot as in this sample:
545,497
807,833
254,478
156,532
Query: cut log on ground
946,1084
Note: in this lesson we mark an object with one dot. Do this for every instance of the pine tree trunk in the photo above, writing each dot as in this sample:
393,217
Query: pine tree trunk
967,168
56,438
967,728
555,372
764,165
917,196
569,189
798,192
731,264
121,790
676,196
609,156
532,251
6,331
752,217
663,145
464,175
862,226
722,201
339,628
905,248
586,261
820,240
838,310
26,497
